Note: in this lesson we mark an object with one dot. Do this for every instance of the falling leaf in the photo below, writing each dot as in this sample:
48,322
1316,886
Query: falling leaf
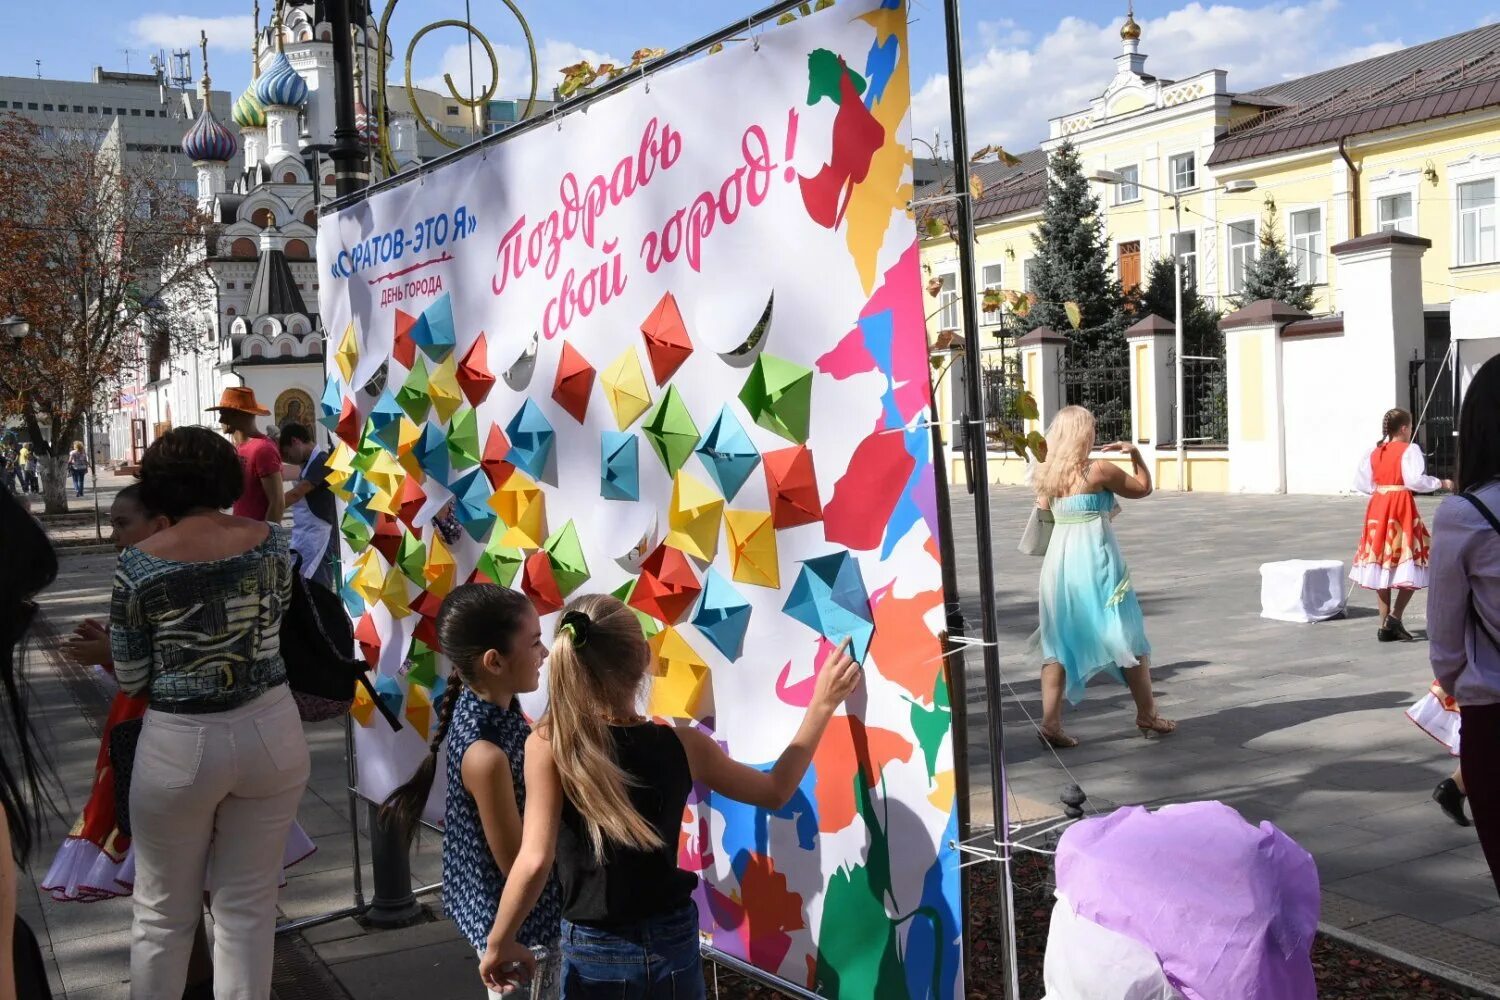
935,227
806,9
823,4
645,55
1026,406
1007,158
786,18
934,286
981,153
716,48
1075,315
1038,445
976,187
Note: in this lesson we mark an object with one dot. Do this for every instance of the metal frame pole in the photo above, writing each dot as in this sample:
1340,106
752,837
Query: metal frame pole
1181,421
974,414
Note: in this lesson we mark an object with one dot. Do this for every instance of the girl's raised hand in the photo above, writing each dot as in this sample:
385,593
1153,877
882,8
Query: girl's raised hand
837,679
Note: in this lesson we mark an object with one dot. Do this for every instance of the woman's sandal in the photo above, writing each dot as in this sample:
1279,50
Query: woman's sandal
1056,741
1155,726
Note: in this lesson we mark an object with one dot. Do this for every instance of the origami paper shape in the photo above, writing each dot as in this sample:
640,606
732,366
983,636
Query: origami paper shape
649,626
474,375
427,605
433,330
539,584
727,453
463,439
368,637
368,577
568,566
829,597
412,396
394,595
752,547
356,530
421,665
677,692
347,354
671,430
693,518
389,693
419,709
492,459
792,484
353,602
348,426
440,569
385,474
667,342
443,390
386,537
409,502
363,708
667,586
500,562
522,508
722,615
518,375
403,348
778,395
331,404
431,452
471,503
574,382
625,388
531,438
411,557
340,467
384,421
619,466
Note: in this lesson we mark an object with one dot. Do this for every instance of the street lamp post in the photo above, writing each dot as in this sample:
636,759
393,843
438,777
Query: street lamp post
1179,422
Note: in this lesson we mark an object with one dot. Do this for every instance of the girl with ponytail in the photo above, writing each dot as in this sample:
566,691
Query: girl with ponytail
607,788
493,639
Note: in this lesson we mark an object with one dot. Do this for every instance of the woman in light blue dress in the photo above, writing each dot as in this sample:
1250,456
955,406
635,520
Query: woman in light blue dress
1089,618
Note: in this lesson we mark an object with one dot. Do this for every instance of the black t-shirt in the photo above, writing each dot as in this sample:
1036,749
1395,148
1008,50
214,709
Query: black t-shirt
320,501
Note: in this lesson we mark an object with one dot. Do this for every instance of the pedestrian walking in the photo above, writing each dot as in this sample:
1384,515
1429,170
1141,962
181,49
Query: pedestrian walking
1090,620
1463,610
1394,545
195,623
28,461
261,496
606,788
1436,714
493,638
315,514
78,467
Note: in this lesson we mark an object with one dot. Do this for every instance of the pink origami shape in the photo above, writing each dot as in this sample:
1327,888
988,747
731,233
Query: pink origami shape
667,340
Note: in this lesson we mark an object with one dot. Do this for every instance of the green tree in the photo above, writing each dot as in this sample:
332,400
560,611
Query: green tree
1273,273
1205,387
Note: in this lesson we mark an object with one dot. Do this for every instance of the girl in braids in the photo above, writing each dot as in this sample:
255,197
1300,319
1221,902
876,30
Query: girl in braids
1393,549
493,638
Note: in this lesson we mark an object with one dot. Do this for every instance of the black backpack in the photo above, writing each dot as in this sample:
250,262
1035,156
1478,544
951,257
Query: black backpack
317,644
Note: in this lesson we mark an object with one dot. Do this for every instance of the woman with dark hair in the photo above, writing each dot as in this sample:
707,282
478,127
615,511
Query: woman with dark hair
1463,610
195,626
31,567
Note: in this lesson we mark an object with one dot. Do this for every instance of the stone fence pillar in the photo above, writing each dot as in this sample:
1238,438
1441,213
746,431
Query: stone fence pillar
1041,373
1152,389
1253,373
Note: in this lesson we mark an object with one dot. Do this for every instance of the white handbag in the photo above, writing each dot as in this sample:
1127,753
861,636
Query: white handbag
1037,533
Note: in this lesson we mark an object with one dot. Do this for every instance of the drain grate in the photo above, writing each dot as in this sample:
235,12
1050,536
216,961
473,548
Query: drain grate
300,975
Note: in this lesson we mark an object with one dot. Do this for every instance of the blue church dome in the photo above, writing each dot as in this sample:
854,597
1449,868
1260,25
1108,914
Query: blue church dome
209,141
280,85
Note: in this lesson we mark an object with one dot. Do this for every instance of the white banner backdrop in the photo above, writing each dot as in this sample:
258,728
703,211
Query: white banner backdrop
674,348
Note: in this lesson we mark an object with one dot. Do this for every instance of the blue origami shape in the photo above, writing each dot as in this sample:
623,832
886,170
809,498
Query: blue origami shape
727,453
471,506
353,602
385,421
830,598
361,491
722,615
531,438
433,330
389,692
619,466
432,452
332,404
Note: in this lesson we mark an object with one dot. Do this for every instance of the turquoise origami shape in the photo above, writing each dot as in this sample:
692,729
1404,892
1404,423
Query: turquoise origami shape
432,452
388,690
619,466
361,492
352,599
531,438
433,330
727,453
471,503
722,615
385,421
830,598
332,404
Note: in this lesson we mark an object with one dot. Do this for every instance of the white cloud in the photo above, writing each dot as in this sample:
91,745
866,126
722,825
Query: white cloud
180,31
1013,87
515,71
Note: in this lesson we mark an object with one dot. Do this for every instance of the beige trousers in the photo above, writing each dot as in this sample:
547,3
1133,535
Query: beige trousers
218,789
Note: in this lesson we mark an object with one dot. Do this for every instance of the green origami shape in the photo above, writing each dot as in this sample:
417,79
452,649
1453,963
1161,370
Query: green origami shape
463,439
412,396
356,532
649,626
423,660
412,558
671,430
778,395
369,447
565,553
500,562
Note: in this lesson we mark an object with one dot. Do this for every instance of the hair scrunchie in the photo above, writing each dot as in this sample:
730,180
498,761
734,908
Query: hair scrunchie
577,625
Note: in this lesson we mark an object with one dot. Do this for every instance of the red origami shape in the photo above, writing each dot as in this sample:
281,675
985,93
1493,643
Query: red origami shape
386,538
368,637
667,586
575,380
426,630
538,583
409,503
348,426
427,604
492,461
404,350
474,376
666,339
793,487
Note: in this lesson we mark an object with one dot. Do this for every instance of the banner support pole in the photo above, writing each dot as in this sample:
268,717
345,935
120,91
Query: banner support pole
979,482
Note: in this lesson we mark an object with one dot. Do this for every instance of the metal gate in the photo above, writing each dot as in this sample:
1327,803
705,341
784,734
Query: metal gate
1430,382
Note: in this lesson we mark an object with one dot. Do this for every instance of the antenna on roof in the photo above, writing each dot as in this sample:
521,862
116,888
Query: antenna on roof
38,69
182,68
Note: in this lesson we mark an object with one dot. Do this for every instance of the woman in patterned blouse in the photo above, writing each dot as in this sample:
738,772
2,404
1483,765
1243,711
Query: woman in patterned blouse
195,625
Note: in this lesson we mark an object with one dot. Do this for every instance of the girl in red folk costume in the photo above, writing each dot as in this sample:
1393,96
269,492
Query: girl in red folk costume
1393,550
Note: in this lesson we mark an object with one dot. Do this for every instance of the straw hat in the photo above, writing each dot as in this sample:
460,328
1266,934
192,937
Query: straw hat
242,399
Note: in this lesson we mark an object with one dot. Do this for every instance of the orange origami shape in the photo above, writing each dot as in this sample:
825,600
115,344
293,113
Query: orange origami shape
667,586
404,350
474,375
348,427
666,339
492,460
409,503
575,380
793,487
538,583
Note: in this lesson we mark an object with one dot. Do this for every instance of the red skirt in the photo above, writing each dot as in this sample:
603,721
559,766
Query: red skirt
1394,548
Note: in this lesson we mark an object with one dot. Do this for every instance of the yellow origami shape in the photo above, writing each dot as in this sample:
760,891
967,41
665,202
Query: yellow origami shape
386,475
340,468
443,387
625,388
369,577
407,437
693,518
419,709
363,708
752,547
678,690
440,568
393,594
347,355
522,508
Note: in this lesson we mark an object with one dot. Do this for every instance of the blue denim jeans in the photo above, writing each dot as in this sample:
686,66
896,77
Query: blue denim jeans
654,960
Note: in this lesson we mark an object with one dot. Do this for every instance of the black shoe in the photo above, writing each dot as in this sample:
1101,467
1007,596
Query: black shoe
1451,801
1385,633
1398,630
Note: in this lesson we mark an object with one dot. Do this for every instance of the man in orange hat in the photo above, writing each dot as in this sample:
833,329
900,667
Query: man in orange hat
262,498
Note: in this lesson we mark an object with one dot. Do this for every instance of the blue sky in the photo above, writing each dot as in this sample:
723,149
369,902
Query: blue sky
1025,62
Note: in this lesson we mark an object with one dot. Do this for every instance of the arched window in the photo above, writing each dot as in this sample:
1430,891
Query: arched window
255,350
243,247
296,249
311,218
314,345
325,35
328,179
229,311
285,350
288,178
262,218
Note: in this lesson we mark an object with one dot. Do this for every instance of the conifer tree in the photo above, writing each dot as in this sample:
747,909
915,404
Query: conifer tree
1205,388
1273,272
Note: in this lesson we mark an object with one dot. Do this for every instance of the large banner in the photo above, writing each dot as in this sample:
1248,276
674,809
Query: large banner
673,348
